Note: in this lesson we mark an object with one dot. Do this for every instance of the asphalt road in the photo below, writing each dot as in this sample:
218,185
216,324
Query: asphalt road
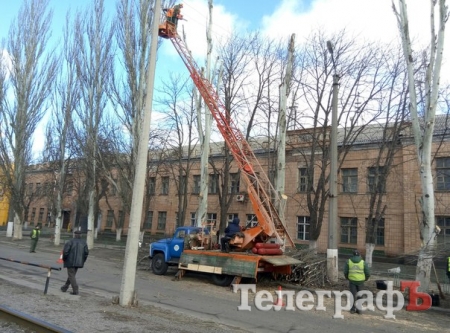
196,297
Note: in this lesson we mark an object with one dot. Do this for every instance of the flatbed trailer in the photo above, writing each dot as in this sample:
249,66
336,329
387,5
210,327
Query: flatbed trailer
231,266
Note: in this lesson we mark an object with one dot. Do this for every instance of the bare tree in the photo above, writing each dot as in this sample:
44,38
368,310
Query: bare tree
180,119
59,132
118,159
94,64
423,136
30,76
249,71
204,122
362,80
396,114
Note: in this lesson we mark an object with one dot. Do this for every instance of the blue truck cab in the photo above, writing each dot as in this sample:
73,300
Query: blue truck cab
167,252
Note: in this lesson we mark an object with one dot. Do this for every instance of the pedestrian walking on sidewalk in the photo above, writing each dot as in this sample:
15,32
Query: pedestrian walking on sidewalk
34,235
356,271
75,253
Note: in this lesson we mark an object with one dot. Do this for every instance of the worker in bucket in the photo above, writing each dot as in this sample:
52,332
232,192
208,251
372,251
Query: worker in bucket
174,14
356,271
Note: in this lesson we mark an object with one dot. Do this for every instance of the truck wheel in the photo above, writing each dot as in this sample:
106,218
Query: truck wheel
222,280
159,265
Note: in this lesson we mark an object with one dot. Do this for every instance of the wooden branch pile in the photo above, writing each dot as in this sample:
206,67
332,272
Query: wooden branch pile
312,272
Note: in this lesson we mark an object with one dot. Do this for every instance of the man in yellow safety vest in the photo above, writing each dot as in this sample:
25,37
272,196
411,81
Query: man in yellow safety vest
356,271
34,235
448,268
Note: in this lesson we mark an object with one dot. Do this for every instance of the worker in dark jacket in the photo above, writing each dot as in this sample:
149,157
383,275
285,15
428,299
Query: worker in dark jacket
356,271
232,229
75,254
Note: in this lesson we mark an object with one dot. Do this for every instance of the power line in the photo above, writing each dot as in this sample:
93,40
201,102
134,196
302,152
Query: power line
227,32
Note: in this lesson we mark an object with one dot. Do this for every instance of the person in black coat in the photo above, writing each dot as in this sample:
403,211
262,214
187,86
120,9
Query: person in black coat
75,253
232,229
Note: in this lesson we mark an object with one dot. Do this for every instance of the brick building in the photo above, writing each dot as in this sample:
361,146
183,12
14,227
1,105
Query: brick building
396,233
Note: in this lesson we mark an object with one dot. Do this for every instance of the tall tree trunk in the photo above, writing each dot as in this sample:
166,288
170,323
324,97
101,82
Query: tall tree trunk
369,253
58,220
17,227
118,234
91,218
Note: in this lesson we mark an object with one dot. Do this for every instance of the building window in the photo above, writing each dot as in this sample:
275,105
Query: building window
252,221
26,214
151,185
177,219
234,183
148,220
349,180
33,214
182,185
196,185
375,180
69,187
30,189
41,214
121,218
380,233
113,188
303,224
273,177
165,185
109,218
230,217
349,230
443,174
193,219
47,188
162,217
213,183
211,220
444,223
302,180
38,189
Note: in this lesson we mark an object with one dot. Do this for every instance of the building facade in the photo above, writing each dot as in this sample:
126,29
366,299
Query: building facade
397,231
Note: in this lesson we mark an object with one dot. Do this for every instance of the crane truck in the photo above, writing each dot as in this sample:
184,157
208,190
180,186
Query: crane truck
254,250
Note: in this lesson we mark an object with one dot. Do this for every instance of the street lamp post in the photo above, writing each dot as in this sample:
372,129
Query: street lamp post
332,251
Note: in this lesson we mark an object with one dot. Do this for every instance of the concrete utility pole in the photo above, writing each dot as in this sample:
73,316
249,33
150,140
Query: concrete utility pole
332,251
206,137
127,293
282,125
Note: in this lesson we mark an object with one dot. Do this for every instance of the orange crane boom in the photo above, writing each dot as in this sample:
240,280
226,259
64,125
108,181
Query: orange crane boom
261,192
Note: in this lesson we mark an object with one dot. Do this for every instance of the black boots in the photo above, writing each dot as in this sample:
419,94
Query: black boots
64,289
75,291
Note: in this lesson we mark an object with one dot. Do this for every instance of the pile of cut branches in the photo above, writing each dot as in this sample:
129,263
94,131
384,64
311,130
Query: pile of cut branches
312,272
